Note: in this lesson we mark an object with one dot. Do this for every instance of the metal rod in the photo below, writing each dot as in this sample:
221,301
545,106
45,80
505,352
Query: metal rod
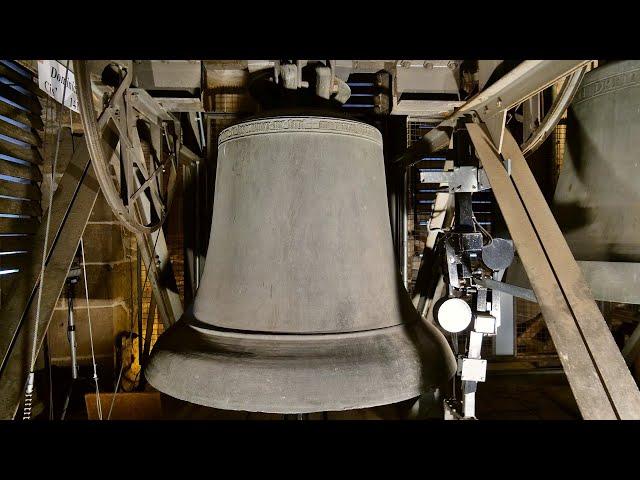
71,331
513,290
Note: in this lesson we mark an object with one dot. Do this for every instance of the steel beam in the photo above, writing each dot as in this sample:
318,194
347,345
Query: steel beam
598,376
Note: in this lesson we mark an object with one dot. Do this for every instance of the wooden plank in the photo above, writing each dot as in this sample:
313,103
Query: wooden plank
20,190
21,116
30,103
10,262
127,406
20,207
73,202
28,136
607,358
21,80
27,154
18,225
13,169
590,394
13,243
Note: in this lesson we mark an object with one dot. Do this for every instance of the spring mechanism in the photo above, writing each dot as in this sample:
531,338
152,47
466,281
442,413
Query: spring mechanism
28,397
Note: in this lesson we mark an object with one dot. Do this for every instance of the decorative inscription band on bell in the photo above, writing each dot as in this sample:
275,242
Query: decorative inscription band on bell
609,84
300,124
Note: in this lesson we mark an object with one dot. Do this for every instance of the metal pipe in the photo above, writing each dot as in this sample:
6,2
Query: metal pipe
71,331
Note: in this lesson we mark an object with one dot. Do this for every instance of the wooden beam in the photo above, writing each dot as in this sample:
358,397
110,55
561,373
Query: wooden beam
606,355
72,205
599,379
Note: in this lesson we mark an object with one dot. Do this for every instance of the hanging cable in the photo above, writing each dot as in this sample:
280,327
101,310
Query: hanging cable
144,285
93,355
44,154
28,397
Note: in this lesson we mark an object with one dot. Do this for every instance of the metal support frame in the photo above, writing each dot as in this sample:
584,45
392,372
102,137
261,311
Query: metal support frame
598,376
521,83
154,252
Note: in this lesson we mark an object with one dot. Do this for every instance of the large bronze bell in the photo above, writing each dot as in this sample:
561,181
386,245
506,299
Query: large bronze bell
597,199
301,307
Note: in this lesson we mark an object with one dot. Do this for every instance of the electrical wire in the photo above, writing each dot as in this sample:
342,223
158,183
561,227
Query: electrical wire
34,347
483,230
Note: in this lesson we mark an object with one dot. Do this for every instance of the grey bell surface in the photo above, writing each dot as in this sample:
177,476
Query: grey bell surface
301,307
597,200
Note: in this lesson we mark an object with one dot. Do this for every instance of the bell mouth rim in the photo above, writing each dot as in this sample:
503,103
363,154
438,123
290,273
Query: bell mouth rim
243,128
209,329
298,376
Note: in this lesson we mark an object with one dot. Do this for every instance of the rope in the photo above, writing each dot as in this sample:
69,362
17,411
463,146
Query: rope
93,356
34,349
44,154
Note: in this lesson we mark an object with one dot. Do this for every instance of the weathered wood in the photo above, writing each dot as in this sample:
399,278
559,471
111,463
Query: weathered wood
28,136
18,207
21,80
18,225
73,202
13,243
21,116
20,190
608,361
12,169
583,377
10,262
126,406
28,154
28,102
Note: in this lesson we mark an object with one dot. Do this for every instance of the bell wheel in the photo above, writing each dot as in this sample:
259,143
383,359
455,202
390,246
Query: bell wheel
133,142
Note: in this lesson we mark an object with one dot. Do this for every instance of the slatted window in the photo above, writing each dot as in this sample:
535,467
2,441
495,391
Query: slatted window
20,139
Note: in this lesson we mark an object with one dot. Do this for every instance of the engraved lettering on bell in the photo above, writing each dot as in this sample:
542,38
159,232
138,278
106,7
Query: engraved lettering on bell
307,124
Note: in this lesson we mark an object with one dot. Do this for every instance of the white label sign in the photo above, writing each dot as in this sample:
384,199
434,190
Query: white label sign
52,76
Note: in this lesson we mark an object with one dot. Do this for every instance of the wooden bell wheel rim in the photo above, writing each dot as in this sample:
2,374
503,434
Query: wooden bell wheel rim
133,143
